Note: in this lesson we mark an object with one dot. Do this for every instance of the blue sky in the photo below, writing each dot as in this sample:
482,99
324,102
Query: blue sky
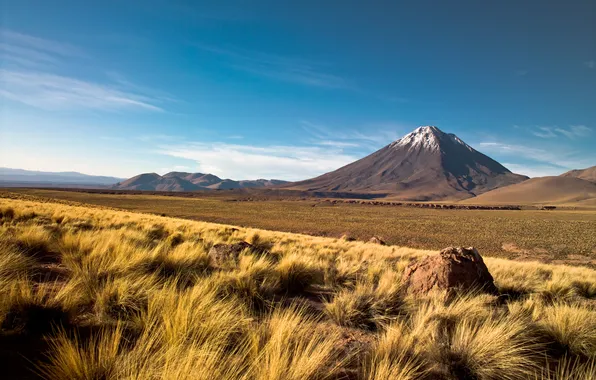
291,89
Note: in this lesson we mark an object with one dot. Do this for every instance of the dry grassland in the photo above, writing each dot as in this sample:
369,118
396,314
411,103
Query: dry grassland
560,236
90,293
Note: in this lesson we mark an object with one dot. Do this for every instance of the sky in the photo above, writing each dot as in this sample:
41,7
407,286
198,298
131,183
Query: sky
291,89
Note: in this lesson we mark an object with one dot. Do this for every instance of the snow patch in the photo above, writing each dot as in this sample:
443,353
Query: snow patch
428,138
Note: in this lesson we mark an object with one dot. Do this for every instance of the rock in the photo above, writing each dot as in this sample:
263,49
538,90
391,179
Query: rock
453,267
221,253
347,237
377,240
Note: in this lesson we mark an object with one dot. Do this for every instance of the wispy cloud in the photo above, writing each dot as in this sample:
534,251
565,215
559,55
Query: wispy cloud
160,138
521,72
572,132
543,160
575,131
48,91
534,170
30,76
36,46
273,66
544,132
590,64
249,161
379,135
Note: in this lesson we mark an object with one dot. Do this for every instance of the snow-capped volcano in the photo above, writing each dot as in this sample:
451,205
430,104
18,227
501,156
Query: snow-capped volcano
426,164
428,137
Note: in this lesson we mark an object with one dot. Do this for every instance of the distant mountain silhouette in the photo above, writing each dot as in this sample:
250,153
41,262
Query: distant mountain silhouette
182,181
22,176
426,164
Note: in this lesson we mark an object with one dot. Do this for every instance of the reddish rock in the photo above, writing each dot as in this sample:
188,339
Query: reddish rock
453,267
221,253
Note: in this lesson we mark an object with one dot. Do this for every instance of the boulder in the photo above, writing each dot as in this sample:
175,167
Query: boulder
377,240
452,268
347,237
222,253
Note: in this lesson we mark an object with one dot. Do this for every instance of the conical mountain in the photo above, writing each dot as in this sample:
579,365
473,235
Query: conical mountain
426,164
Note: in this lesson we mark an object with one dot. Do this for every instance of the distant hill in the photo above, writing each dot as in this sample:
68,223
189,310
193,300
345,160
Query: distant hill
21,176
182,181
426,164
588,174
541,190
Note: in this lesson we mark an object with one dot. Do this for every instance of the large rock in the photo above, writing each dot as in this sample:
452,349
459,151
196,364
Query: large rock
453,267
222,253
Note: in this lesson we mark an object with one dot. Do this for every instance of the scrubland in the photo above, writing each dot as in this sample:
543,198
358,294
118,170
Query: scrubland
91,293
560,236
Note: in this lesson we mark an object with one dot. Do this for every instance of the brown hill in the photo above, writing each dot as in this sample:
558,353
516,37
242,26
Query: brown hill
155,182
588,174
540,190
426,164
182,181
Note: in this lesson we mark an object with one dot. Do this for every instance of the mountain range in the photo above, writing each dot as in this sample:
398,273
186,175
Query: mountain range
20,176
426,164
182,181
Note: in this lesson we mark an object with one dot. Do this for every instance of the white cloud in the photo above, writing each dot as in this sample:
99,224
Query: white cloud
48,91
35,45
337,144
250,162
545,133
571,132
382,134
558,160
575,131
590,64
29,76
534,170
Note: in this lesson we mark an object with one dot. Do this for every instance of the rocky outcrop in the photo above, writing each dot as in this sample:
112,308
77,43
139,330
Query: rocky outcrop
452,268
223,253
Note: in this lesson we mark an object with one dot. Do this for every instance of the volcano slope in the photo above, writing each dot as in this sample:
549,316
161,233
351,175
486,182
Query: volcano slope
426,164
94,293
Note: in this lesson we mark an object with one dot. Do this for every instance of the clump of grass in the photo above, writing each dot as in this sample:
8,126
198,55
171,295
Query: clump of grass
570,327
288,349
14,265
255,283
36,243
157,232
492,349
118,300
28,311
7,213
569,369
395,355
367,306
585,289
297,273
74,359
183,265
175,239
